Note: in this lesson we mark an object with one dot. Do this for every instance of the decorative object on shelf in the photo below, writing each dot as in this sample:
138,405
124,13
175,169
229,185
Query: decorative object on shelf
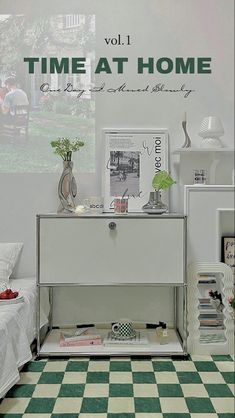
121,205
94,204
210,329
140,338
228,252
200,176
187,143
231,301
131,156
79,210
161,181
211,130
216,300
67,188
123,330
164,338
155,204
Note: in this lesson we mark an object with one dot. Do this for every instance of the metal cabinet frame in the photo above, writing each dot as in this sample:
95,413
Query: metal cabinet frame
182,336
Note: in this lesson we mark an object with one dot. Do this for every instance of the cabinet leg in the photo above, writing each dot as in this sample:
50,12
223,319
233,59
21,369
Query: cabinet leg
51,308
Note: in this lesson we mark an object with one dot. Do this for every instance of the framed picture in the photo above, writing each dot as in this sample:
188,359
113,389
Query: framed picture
228,252
131,158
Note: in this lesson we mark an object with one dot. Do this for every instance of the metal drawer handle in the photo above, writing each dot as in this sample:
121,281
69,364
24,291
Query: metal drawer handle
112,226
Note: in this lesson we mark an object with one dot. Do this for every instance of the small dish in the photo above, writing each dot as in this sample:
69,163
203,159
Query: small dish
121,338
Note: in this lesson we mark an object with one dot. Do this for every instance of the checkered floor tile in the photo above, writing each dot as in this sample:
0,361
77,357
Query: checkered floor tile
202,387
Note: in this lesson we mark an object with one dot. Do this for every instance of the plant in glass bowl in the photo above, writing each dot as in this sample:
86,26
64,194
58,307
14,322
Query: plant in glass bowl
67,188
161,181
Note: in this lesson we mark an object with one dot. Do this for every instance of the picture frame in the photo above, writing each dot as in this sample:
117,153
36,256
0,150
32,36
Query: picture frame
131,158
228,252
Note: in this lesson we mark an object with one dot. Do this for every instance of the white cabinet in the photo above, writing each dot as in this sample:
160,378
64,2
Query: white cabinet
107,250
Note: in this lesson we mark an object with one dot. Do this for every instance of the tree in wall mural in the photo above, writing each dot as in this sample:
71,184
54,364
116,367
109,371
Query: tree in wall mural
54,114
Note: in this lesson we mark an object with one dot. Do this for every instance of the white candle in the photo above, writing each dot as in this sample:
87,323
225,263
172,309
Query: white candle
185,117
80,209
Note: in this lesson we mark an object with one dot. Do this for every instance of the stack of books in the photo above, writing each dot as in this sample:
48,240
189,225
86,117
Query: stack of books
207,279
210,321
80,337
205,303
212,338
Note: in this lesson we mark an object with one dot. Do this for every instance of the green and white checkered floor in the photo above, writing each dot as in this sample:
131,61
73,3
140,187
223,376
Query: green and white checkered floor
123,388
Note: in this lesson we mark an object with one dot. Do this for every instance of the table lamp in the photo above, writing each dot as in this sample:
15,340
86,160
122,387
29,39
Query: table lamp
211,130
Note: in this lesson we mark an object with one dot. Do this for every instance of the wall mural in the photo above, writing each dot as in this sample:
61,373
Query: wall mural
33,110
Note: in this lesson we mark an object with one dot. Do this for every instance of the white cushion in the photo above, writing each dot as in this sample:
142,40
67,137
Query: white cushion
9,253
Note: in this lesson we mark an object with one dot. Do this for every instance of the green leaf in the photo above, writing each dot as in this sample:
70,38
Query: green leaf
162,181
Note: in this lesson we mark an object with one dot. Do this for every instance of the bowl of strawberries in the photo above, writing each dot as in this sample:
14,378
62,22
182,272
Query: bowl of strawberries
8,294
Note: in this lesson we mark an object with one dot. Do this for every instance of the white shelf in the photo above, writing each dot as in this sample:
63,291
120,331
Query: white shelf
192,150
203,338
51,346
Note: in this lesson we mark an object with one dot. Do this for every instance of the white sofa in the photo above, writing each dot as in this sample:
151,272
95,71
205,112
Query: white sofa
17,332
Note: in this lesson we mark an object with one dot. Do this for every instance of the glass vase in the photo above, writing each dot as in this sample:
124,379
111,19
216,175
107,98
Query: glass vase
155,204
67,188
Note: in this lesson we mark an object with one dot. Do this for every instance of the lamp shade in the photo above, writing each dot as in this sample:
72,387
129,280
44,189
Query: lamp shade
211,130
211,127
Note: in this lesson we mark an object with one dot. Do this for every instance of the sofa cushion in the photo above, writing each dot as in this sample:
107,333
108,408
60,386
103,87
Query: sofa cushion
9,253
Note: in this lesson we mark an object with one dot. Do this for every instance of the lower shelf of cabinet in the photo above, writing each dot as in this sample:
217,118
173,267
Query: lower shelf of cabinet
51,347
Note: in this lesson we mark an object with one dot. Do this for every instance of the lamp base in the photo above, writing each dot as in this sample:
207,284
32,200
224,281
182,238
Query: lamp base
211,143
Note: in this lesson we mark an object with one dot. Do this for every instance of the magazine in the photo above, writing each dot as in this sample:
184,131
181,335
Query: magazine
80,336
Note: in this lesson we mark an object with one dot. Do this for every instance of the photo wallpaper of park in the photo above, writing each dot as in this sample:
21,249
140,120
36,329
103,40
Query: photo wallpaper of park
31,118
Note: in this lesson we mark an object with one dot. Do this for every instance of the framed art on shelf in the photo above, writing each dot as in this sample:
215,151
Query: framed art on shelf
228,252
131,158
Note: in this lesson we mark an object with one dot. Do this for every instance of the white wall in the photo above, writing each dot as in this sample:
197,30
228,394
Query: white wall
157,28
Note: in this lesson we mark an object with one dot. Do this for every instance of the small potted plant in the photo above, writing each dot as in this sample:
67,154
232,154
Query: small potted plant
67,188
161,181
64,147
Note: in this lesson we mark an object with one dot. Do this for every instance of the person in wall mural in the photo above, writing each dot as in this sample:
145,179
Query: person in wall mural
13,98
3,92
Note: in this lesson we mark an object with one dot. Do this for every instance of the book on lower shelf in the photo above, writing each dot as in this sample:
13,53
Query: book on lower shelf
212,338
80,337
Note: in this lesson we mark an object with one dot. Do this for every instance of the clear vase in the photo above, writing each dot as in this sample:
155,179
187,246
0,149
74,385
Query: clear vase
67,188
155,204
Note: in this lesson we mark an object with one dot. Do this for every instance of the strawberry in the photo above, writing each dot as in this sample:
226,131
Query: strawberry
4,295
8,294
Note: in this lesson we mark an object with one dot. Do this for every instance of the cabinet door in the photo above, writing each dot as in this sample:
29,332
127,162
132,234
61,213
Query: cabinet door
87,251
